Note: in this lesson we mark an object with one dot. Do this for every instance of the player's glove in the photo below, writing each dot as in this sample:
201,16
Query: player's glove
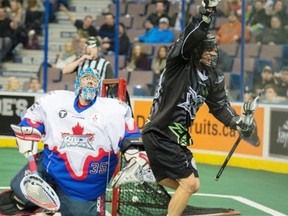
241,127
210,3
207,8
244,124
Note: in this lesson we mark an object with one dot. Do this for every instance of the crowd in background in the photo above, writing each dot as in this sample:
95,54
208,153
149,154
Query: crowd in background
21,22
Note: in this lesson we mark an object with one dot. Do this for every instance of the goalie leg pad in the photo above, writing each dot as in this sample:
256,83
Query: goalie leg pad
137,169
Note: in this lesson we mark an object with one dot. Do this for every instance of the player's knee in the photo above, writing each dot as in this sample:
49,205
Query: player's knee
190,184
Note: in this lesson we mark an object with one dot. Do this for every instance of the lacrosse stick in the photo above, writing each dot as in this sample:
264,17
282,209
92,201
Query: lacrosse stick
36,190
247,111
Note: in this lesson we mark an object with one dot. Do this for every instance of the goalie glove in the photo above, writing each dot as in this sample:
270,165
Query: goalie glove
137,169
27,138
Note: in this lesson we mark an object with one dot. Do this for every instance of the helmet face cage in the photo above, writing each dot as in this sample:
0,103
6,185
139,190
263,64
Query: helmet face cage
86,92
207,44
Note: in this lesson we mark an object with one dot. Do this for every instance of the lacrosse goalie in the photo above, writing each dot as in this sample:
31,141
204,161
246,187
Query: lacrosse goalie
82,135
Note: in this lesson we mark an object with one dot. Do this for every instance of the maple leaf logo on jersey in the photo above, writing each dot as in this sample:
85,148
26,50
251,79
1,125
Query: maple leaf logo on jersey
77,139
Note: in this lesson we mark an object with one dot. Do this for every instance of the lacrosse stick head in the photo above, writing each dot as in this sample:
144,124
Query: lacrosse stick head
248,110
39,192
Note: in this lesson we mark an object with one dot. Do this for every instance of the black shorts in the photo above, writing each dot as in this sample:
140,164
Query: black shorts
167,158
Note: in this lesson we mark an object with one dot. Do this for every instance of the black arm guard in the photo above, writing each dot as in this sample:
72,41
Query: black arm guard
132,142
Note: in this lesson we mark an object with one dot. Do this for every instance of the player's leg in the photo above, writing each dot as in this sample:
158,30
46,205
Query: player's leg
174,167
179,200
85,208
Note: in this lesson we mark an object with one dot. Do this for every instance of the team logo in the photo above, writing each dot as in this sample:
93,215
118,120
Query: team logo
62,113
77,139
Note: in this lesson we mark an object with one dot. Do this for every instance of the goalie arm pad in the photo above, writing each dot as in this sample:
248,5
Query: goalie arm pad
132,142
27,138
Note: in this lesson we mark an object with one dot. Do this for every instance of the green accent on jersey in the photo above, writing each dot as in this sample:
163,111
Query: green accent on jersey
181,133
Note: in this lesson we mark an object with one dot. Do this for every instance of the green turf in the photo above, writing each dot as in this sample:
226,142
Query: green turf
265,188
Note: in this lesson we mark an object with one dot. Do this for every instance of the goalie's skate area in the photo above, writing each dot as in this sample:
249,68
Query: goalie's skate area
249,192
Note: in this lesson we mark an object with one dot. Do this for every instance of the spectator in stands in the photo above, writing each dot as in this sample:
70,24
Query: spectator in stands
230,32
276,34
271,94
107,29
108,45
258,18
147,25
84,25
91,58
66,57
138,60
159,63
16,12
230,6
279,9
7,28
35,86
160,11
265,79
34,16
13,84
80,39
281,80
159,34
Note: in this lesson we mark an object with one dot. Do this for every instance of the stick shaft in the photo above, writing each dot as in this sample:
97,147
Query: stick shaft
228,157
32,163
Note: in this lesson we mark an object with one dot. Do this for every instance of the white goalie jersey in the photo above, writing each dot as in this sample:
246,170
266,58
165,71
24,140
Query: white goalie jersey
80,144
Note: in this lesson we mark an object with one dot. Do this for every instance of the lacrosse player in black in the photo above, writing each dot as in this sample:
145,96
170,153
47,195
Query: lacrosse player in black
188,81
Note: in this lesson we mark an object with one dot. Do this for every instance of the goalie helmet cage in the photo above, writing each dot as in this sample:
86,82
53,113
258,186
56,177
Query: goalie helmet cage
147,199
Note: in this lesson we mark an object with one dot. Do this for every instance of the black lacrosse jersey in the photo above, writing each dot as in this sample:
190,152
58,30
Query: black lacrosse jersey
183,89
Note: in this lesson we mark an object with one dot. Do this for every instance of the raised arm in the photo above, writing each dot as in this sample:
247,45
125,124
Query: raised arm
195,31
71,17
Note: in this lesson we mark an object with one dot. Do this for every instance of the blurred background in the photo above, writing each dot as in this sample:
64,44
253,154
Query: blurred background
39,37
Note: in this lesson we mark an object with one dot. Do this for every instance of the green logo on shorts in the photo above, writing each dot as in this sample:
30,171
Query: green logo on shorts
181,133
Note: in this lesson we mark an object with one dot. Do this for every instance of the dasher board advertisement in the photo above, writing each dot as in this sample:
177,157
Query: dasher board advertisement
12,107
279,132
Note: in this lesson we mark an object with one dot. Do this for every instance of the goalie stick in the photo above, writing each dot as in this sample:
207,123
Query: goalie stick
36,190
248,110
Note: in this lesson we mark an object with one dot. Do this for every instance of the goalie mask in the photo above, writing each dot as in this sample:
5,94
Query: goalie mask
87,83
206,53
